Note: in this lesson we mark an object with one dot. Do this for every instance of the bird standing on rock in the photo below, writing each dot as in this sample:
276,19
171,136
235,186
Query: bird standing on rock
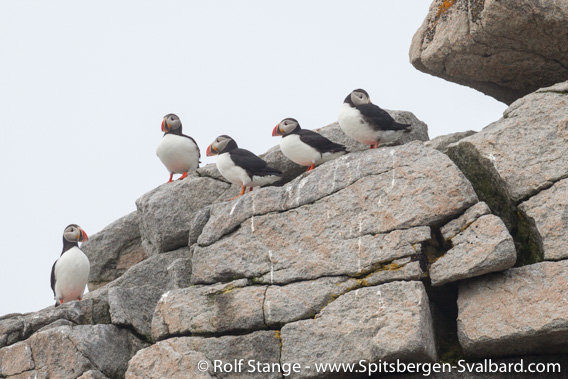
367,123
178,152
305,147
240,166
70,273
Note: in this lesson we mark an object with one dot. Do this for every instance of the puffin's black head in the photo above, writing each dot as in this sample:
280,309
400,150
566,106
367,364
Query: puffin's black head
73,233
358,97
287,126
170,123
222,144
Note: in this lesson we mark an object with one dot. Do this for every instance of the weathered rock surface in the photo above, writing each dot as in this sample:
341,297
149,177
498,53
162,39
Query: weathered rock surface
547,213
19,327
394,322
114,250
178,357
220,308
485,246
353,210
518,156
166,213
519,311
458,225
301,300
441,143
505,49
133,297
69,352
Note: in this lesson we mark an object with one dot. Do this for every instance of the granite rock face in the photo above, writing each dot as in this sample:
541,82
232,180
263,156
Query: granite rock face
114,250
166,212
180,357
547,213
441,143
517,157
68,352
505,49
395,322
519,311
484,246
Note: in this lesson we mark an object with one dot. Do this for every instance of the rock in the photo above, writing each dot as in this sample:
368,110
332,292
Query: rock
458,225
220,308
16,359
166,213
520,311
164,361
292,254
20,327
153,270
441,143
301,300
394,323
93,374
69,352
178,357
485,246
547,213
180,273
196,226
113,250
132,298
108,348
518,156
436,192
399,269
505,49
134,307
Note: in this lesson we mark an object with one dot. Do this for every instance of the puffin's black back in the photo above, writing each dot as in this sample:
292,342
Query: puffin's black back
251,163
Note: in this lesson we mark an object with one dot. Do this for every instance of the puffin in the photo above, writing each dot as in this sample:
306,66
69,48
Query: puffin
70,273
305,147
367,123
178,152
240,166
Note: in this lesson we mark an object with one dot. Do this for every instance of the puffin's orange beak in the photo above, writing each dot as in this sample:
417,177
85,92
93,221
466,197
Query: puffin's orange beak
163,125
83,236
276,131
209,152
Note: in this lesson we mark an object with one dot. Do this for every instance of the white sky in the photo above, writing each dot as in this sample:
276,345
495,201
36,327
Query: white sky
84,86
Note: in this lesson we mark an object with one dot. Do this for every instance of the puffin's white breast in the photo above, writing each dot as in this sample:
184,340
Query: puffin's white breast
179,154
71,274
299,152
230,171
352,123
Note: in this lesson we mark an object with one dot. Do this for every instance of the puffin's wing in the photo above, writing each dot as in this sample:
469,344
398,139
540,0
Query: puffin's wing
247,159
319,142
198,151
253,164
378,118
53,278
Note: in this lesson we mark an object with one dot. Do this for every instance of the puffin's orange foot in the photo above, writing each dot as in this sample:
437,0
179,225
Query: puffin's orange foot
311,167
171,176
183,176
250,189
60,301
240,194
374,146
80,298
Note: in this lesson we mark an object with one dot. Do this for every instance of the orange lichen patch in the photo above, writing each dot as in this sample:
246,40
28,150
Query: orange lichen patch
442,9
446,4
